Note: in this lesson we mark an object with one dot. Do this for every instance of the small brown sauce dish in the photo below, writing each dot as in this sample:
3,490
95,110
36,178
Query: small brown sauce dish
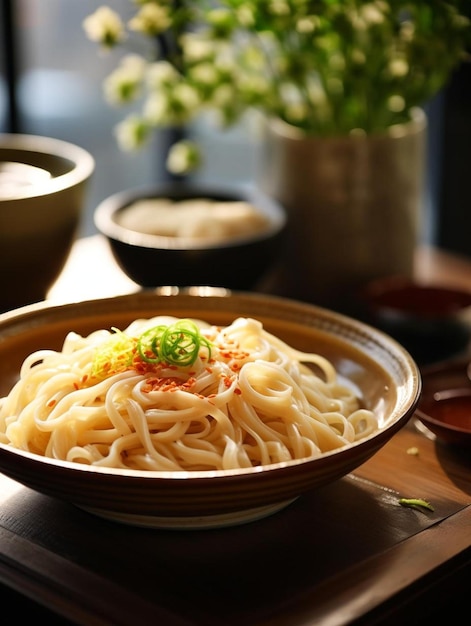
445,405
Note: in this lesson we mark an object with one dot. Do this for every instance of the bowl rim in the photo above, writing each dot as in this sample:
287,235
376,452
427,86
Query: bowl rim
89,308
104,212
82,160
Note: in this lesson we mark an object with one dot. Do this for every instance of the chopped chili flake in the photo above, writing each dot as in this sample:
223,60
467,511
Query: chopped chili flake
168,384
51,403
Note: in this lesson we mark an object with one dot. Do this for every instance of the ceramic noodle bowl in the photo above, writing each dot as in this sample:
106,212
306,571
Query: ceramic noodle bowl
376,368
43,183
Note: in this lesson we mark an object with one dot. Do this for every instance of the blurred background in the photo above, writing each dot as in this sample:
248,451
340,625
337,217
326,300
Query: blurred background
51,84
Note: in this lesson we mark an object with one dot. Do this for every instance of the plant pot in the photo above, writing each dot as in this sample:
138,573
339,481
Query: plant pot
353,207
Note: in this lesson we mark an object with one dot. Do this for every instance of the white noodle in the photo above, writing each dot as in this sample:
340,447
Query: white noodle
255,402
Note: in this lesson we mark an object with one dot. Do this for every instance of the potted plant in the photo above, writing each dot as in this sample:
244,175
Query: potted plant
342,79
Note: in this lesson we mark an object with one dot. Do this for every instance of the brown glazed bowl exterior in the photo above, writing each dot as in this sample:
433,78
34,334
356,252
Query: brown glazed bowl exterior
38,227
153,260
383,373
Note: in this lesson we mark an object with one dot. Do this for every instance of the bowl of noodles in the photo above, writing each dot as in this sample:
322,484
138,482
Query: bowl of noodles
194,408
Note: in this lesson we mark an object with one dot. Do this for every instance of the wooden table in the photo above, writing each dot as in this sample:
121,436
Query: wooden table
347,553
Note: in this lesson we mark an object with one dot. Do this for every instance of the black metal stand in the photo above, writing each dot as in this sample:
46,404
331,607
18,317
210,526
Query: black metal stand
9,57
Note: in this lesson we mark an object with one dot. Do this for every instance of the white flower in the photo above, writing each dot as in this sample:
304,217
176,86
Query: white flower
132,133
223,96
296,111
171,107
205,73
151,19
372,13
120,87
196,47
245,16
396,104
104,26
186,96
157,110
134,63
254,58
307,24
183,157
253,86
124,83
161,73
316,93
278,7
398,67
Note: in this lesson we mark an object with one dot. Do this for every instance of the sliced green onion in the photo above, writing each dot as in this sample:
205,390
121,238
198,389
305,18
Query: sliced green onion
177,344
148,344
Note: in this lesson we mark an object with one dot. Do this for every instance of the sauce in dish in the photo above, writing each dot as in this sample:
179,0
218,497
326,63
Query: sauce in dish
452,407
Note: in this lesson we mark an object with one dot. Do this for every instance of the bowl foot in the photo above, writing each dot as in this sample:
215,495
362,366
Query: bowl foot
222,520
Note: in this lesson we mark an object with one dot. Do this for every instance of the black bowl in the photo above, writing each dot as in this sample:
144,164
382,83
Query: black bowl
152,260
432,321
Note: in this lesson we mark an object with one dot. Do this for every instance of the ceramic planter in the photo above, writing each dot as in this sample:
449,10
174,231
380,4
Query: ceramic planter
353,206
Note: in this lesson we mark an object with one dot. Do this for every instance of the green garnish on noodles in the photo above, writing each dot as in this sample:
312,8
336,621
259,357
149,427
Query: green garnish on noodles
114,356
178,344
